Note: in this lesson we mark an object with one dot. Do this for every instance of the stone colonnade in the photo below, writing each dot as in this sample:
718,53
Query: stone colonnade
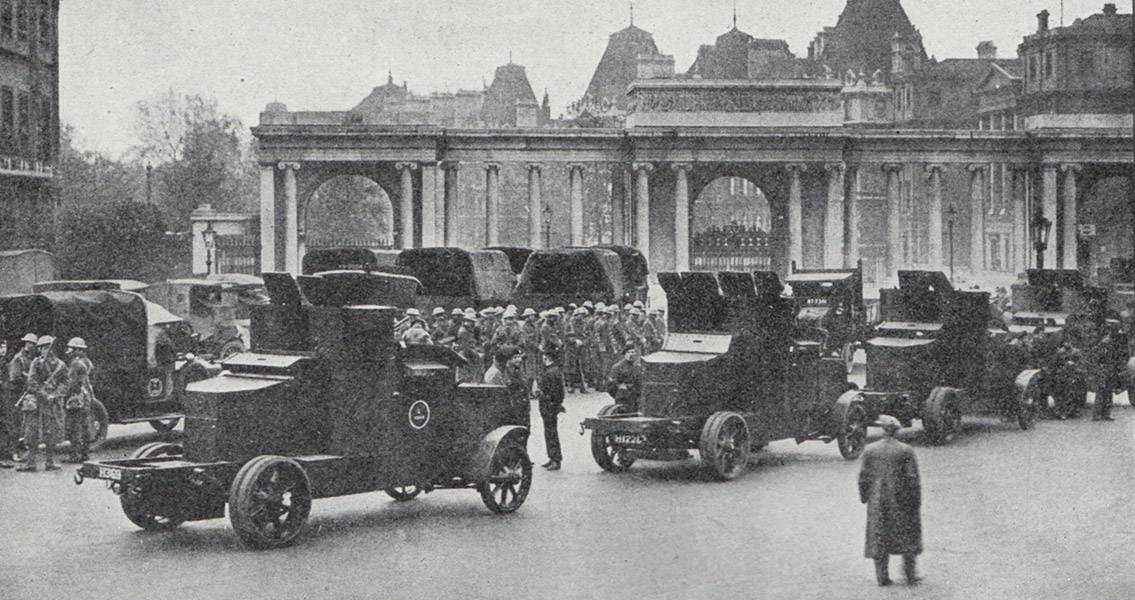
437,192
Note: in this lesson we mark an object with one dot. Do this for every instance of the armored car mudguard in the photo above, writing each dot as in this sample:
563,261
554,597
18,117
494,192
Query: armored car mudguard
326,404
729,378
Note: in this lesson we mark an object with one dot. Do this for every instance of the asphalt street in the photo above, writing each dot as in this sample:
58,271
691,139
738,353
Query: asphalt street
1045,513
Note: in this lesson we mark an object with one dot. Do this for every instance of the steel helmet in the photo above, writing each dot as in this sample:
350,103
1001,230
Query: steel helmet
46,340
31,337
77,342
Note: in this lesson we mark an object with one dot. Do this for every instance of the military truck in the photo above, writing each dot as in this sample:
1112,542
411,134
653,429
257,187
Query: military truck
326,404
729,379
831,309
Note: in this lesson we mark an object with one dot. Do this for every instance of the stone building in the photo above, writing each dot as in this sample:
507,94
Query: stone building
29,121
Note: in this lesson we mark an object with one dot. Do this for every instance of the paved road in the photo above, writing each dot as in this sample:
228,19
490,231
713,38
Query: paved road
1007,514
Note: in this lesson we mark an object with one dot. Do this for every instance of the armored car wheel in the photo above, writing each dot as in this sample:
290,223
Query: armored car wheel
942,415
852,436
100,422
607,454
269,501
724,445
403,493
164,425
133,498
510,477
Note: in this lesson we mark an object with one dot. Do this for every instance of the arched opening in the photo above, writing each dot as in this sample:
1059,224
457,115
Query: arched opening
348,211
731,227
1104,224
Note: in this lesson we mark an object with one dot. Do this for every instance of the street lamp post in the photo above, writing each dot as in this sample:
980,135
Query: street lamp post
209,235
951,215
1040,227
548,225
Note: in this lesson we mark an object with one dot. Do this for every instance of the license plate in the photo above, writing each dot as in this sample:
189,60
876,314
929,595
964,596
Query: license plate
630,439
109,473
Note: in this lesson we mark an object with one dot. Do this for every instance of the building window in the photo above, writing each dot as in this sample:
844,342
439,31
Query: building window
20,11
997,252
22,122
7,119
1049,64
6,19
46,26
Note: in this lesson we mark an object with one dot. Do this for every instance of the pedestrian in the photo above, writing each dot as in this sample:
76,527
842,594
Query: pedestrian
17,373
550,392
1105,365
889,485
625,379
78,395
42,405
8,412
507,371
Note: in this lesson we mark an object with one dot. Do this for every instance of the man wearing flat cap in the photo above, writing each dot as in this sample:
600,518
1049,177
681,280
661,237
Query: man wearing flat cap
889,485
624,382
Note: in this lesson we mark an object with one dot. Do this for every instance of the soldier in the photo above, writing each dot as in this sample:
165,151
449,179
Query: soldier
17,376
530,343
602,341
507,371
889,485
577,343
1105,362
625,379
657,328
508,333
78,395
404,324
550,393
42,405
7,412
416,335
466,344
633,328
439,324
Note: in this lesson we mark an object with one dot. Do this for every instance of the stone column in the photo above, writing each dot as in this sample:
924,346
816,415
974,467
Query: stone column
894,217
851,256
934,214
406,202
977,218
1069,234
535,205
451,170
833,219
267,218
795,215
681,217
642,207
492,204
429,200
575,173
1019,202
1048,209
291,218
618,204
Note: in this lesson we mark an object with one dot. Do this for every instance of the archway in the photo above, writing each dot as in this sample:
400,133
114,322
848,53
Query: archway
731,227
348,211
1105,228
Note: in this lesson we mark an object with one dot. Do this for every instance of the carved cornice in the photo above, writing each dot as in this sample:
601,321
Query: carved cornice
405,165
648,167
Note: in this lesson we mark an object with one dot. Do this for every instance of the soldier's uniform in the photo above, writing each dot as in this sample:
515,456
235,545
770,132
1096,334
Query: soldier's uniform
78,395
578,340
416,335
42,405
467,344
1105,363
530,345
603,340
17,382
625,382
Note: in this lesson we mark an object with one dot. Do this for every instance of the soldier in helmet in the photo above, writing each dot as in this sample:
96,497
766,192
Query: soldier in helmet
416,335
530,343
42,404
404,324
78,395
17,382
576,349
466,344
439,323
626,378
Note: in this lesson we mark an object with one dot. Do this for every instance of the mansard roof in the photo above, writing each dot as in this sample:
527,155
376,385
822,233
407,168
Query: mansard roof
861,39
619,65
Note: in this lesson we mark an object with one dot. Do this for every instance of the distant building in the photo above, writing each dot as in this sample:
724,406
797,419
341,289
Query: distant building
29,120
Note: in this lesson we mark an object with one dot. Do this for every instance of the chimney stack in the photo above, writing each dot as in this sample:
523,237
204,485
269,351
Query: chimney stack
1042,21
986,51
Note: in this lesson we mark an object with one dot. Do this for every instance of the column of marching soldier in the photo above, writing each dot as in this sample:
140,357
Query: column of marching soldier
45,399
539,354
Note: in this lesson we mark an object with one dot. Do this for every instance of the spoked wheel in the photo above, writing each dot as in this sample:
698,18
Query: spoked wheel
269,501
1029,399
403,493
164,425
942,417
99,423
724,445
134,498
607,454
230,348
510,477
853,432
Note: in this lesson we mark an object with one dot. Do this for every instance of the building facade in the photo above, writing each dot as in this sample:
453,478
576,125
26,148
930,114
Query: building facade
29,121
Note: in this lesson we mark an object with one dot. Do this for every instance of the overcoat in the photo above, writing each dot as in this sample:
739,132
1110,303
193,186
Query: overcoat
889,484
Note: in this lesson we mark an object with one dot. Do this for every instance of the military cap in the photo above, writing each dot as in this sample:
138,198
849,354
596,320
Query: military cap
511,307
457,312
572,306
487,311
529,312
470,311
889,423
600,305
77,342
509,314
588,304
635,311
438,311
579,311
31,337
628,306
46,340
413,312
638,304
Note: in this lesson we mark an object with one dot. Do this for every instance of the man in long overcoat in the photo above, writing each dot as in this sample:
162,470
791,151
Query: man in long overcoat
890,487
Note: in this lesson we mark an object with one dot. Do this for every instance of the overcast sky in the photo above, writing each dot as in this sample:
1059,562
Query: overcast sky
328,54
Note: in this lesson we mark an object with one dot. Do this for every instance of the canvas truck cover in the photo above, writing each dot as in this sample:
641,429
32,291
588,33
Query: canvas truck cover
353,288
634,266
21,269
469,277
334,259
517,256
565,275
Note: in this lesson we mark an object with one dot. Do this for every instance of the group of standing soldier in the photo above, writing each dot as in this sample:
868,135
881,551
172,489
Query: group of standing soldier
45,399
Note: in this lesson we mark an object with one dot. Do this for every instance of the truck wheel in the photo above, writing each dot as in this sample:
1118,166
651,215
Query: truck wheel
852,435
164,425
269,502
403,493
724,445
229,348
100,421
510,477
942,415
133,499
608,455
